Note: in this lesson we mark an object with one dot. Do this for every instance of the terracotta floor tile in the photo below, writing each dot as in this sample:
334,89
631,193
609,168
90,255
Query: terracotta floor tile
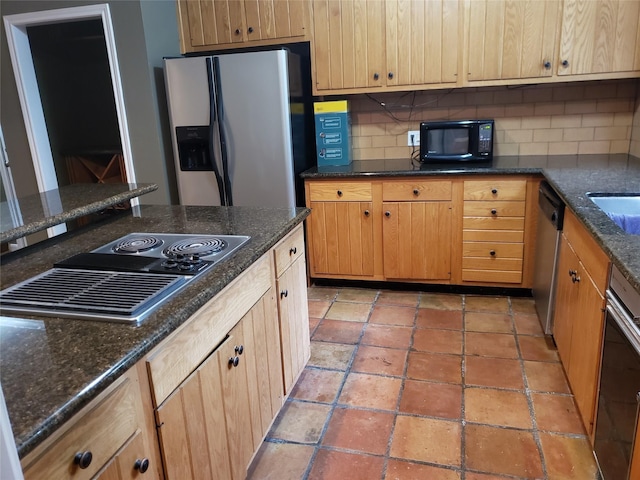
370,391
349,312
493,372
497,407
392,315
322,293
390,297
502,451
427,440
537,348
385,361
363,430
487,322
333,465
499,345
317,308
486,304
331,355
431,399
527,324
523,305
435,367
484,476
387,336
300,422
313,323
362,295
557,413
318,385
401,470
280,461
568,458
441,301
546,377
338,331
439,341
442,319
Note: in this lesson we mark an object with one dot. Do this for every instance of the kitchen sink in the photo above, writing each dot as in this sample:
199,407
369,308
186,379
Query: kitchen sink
624,209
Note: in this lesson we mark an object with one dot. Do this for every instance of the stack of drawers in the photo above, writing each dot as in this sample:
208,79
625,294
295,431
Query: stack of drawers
493,230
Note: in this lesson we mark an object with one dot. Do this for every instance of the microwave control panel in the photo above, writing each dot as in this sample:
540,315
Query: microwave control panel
485,137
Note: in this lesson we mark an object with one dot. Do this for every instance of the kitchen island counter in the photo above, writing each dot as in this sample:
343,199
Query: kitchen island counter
51,367
572,176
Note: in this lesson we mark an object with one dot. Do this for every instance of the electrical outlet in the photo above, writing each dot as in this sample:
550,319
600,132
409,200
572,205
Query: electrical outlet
413,138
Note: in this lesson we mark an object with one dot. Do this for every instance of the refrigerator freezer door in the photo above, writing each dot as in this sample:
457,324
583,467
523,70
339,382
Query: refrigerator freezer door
255,100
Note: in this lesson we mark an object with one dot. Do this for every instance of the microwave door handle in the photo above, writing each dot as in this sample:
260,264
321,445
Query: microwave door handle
212,122
223,138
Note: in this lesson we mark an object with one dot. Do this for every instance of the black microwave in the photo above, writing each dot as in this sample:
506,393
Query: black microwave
456,140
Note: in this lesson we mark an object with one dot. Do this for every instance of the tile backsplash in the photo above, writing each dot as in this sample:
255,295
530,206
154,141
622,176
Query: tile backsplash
567,118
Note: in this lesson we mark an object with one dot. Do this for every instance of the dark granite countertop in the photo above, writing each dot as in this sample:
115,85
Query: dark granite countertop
44,210
572,176
52,367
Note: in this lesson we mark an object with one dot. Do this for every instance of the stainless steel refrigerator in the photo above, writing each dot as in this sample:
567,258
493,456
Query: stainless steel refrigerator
239,124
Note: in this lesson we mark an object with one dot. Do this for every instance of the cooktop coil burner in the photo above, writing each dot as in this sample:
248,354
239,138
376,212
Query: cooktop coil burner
137,244
195,246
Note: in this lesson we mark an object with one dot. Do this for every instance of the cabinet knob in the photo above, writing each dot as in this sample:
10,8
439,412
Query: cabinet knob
142,465
339,192
547,65
575,278
83,459
284,293
390,75
565,63
416,192
250,29
493,211
239,349
494,190
234,361
366,213
492,253
572,273
238,31
387,213
293,251
376,76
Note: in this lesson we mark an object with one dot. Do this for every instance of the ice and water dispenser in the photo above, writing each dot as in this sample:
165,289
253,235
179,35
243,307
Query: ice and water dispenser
193,148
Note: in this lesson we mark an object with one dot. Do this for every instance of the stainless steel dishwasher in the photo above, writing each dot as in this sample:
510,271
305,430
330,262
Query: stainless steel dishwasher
550,217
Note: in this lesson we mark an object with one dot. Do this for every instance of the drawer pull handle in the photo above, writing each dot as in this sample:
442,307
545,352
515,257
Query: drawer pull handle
83,459
339,193
387,213
293,251
494,191
494,211
366,213
416,192
141,465
492,253
239,349
284,293
234,361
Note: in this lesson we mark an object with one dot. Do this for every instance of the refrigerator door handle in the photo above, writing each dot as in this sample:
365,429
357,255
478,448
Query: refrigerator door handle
223,139
212,121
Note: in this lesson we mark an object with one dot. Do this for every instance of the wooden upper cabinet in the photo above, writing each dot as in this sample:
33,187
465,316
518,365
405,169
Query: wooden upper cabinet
599,36
511,39
230,23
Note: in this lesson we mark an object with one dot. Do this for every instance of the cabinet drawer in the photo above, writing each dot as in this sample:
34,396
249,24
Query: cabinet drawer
496,236
492,276
496,208
340,191
493,223
500,250
498,189
288,250
102,431
492,263
406,190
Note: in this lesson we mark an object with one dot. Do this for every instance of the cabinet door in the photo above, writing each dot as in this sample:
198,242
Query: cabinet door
294,321
211,22
267,19
599,36
342,235
511,39
349,43
421,41
417,240
566,301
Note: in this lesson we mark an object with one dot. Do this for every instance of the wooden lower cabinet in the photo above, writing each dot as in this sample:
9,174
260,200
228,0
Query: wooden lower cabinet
579,315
